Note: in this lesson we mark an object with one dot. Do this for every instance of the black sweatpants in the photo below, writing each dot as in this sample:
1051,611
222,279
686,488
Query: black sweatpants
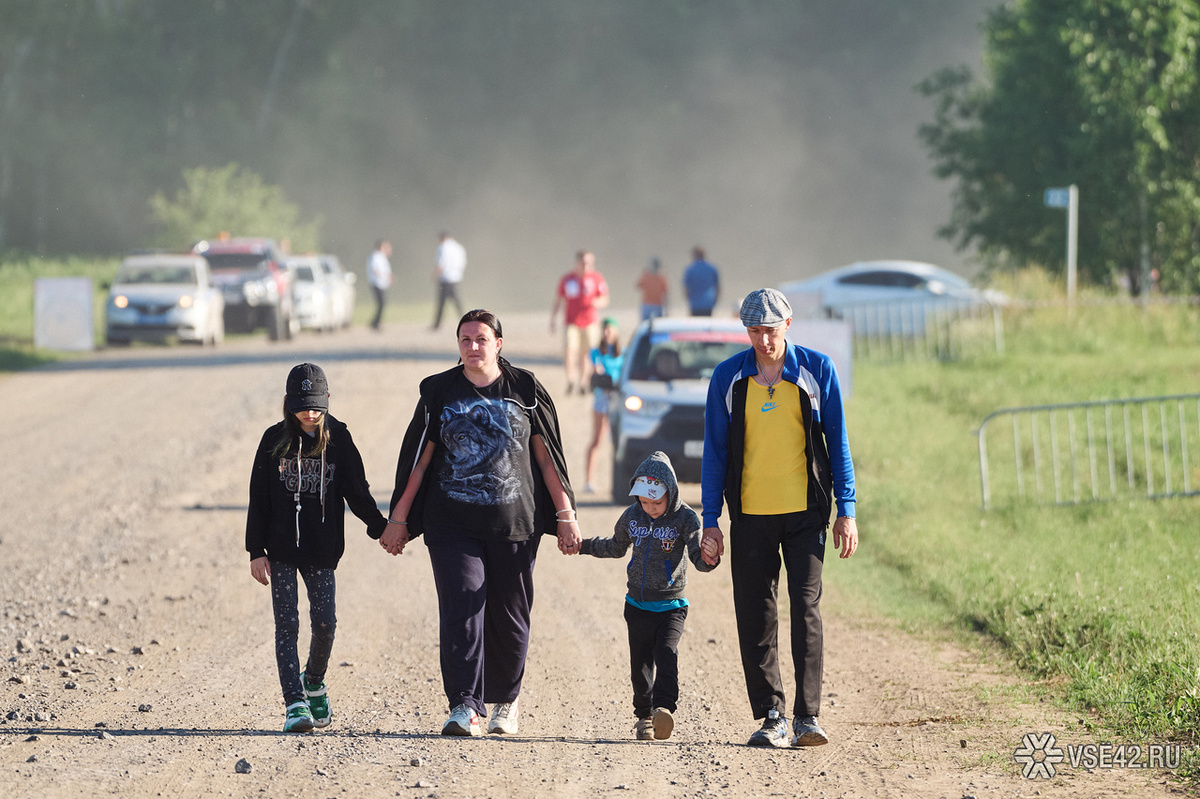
654,657
285,589
755,546
485,595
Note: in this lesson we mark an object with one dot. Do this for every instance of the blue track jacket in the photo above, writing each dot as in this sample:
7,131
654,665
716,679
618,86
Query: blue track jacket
831,472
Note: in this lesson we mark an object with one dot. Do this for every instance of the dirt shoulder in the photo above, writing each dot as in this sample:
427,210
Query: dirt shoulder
140,652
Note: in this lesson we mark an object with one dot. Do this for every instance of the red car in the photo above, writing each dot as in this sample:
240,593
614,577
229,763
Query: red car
256,285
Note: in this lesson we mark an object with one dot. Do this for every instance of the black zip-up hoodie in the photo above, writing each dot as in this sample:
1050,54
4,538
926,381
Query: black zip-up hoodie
657,570
532,394
316,535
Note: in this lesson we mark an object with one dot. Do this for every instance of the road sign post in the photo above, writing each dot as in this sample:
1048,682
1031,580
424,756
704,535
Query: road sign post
1068,198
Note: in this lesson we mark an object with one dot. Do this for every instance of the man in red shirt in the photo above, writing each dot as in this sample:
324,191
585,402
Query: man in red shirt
583,292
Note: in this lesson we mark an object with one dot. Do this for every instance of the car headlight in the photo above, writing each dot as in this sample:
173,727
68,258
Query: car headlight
121,301
650,409
186,301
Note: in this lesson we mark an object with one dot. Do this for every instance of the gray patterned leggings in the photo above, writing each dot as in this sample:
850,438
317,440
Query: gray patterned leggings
285,589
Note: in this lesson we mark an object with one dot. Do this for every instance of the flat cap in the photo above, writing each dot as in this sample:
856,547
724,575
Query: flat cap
765,308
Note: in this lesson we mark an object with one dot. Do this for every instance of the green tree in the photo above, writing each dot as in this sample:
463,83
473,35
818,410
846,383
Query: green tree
1100,93
231,200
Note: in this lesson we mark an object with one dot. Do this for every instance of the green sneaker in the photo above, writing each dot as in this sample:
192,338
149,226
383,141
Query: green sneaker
298,719
318,702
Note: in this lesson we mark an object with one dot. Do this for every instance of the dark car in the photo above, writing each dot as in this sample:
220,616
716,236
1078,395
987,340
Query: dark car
256,285
660,395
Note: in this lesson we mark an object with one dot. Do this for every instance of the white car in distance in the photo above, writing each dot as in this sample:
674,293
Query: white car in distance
342,287
312,293
160,297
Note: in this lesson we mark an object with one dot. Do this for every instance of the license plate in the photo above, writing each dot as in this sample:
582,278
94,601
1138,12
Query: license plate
693,449
153,319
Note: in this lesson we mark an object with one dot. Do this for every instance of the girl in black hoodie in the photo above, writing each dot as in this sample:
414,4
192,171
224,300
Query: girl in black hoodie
305,471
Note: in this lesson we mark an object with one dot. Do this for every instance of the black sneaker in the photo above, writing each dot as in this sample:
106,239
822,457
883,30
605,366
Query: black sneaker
774,731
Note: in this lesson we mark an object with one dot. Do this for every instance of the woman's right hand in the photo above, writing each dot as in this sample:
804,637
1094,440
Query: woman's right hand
394,537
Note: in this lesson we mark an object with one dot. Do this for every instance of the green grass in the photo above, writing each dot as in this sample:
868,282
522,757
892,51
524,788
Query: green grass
17,276
1100,601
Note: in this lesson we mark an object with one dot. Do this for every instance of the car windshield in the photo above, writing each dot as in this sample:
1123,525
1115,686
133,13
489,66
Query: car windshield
236,261
304,273
683,355
157,273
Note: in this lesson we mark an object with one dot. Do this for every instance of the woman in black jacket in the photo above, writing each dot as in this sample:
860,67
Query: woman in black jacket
305,471
482,475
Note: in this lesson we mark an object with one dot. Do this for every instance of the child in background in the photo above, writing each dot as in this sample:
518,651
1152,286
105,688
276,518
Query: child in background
305,471
659,527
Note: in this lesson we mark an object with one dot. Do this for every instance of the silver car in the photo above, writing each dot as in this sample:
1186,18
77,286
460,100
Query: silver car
158,297
886,296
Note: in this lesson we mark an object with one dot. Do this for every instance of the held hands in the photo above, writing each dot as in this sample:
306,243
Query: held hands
394,538
260,569
845,535
712,545
569,538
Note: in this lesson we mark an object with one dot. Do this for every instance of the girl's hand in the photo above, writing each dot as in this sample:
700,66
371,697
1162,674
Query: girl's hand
260,569
394,538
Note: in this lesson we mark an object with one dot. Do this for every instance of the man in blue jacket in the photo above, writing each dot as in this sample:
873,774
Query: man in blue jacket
776,452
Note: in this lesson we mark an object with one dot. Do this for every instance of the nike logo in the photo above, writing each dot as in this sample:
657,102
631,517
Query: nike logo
770,406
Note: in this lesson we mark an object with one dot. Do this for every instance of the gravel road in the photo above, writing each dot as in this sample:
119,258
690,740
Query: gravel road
140,661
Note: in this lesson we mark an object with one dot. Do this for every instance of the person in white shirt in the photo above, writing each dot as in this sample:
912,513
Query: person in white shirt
379,275
451,261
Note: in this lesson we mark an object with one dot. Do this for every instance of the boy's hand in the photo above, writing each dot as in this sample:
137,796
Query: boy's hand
260,569
712,545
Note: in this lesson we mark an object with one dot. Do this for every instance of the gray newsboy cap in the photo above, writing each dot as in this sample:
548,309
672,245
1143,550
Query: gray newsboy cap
765,308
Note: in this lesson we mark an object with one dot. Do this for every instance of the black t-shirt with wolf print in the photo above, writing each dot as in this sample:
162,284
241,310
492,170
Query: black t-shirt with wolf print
482,480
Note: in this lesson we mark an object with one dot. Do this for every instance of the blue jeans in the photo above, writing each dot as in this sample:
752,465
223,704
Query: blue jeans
319,584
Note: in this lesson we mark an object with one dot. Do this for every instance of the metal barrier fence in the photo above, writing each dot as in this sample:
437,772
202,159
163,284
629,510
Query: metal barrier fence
924,330
1093,451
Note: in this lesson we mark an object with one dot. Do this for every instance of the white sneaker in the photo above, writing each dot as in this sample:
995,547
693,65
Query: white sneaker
463,721
504,719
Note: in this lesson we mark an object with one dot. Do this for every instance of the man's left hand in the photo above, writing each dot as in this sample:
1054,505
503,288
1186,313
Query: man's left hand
845,535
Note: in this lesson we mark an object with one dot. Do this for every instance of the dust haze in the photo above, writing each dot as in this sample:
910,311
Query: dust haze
781,136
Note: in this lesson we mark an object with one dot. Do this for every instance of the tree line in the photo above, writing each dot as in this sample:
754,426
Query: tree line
1103,94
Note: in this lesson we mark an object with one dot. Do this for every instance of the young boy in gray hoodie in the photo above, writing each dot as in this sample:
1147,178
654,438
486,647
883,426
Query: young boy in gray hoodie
659,527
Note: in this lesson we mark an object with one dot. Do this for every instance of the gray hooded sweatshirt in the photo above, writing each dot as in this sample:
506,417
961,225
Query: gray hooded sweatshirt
657,569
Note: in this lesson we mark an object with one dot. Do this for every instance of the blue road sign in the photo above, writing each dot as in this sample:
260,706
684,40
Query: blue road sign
1057,198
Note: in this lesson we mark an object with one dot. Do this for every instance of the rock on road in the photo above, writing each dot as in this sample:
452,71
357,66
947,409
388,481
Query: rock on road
140,652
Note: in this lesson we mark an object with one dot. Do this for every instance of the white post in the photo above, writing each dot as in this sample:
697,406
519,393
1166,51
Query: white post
1072,241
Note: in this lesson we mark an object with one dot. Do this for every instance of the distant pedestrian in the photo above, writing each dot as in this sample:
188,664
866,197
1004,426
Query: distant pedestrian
379,275
606,368
653,286
665,534
582,292
451,261
305,471
702,284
